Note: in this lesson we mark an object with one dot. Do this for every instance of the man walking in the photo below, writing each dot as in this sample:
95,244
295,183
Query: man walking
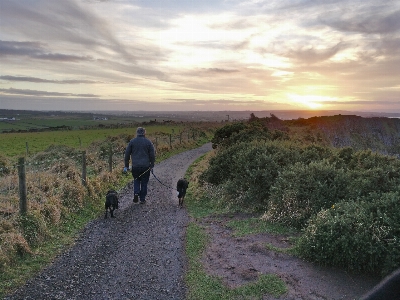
141,151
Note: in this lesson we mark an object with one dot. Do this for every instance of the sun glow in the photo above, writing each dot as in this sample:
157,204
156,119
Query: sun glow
311,101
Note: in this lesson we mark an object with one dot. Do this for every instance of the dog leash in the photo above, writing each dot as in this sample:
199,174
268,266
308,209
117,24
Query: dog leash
126,173
152,172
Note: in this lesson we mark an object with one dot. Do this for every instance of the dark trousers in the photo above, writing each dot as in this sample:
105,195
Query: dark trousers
141,176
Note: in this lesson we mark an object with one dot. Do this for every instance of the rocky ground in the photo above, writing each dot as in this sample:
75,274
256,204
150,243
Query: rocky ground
140,254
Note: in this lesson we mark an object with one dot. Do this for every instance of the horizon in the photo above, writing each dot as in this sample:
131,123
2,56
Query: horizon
136,55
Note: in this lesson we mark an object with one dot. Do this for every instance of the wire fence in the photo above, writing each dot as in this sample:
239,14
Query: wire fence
33,180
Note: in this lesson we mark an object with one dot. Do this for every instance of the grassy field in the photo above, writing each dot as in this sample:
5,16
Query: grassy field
29,120
15,144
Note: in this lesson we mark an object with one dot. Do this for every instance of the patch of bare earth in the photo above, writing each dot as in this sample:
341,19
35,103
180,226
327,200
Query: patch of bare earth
240,260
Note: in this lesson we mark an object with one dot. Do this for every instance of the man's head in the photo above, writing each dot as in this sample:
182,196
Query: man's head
140,131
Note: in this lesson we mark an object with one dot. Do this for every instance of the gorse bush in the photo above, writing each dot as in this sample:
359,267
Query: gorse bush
302,190
346,201
356,235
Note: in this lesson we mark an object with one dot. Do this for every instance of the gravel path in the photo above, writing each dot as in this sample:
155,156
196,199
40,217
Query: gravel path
137,255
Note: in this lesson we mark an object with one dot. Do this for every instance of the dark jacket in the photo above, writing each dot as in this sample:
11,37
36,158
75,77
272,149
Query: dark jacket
141,151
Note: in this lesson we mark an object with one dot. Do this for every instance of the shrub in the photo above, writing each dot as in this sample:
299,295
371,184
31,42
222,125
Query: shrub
222,167
253,179
72,195
314,152
13,244
225,132
51,211
357,235
302,190
33,227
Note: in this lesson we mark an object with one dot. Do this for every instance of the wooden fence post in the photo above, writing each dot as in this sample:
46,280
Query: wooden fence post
23,206
84,168
110,156
170,141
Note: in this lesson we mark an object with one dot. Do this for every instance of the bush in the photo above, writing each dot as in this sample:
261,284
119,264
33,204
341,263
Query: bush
13,245
302,190
250,183
222,167
225,132
72,195
33,227
358,235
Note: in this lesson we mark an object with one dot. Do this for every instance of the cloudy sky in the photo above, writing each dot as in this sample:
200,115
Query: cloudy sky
200,55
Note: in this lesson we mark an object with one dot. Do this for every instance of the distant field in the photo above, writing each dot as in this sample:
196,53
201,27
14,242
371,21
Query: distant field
29,123
14,144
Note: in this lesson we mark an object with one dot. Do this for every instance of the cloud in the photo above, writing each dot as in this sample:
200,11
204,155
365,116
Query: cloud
40,80
35,50
220,71
26,92
311,55
370,22
63,21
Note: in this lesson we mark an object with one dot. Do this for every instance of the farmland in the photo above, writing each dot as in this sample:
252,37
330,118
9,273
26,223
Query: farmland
15,144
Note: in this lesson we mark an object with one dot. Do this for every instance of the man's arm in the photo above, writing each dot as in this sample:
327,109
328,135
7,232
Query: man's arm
127,157
152,155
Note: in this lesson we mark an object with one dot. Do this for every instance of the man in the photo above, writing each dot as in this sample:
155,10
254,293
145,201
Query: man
141,151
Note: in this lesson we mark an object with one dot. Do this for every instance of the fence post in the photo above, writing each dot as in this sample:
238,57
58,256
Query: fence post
23,207
156,143
170,141
27,148
110,156
84,168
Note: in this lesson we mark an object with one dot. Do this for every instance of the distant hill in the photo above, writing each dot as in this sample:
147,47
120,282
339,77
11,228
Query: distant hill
380,134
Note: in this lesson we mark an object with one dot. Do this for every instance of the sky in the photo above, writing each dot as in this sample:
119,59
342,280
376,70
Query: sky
167,55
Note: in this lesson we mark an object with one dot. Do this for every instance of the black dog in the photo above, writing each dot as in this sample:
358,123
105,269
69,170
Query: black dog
181,187
111,202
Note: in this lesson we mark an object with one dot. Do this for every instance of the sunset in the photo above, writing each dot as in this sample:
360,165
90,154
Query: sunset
191,55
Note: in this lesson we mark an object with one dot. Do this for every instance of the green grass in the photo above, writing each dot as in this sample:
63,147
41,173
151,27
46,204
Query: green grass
14,144
256,225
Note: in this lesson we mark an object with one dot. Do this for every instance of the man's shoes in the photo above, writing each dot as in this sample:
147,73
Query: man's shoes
135,198
142,201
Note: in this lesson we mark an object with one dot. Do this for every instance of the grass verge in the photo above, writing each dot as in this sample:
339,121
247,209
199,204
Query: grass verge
256,225
61,237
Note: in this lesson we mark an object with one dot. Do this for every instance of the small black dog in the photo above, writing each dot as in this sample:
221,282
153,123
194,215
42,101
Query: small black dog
111,203
181,187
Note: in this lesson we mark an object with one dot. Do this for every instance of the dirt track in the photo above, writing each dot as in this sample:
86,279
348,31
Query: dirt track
137,255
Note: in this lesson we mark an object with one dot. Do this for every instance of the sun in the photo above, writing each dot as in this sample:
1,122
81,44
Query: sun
311,101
